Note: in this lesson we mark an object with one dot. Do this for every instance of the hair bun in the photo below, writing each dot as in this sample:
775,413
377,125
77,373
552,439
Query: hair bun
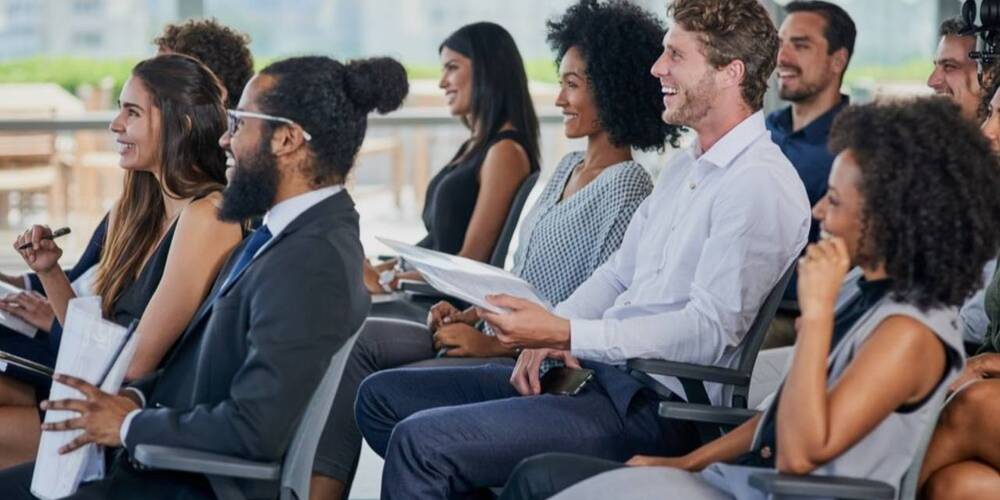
377,83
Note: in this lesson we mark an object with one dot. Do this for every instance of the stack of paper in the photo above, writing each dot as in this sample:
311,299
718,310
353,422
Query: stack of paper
88,351
464,278
11,321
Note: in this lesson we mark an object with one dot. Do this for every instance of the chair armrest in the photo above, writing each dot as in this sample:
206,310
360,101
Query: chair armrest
705,413
202,462
689,371
821,486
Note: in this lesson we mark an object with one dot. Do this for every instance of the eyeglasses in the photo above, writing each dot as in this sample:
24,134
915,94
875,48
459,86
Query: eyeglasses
235,117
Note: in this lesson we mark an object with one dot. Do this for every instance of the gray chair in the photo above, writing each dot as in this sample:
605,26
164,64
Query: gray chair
736,381
293,472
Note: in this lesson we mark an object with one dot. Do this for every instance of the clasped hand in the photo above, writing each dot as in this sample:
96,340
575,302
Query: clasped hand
821,274
101,414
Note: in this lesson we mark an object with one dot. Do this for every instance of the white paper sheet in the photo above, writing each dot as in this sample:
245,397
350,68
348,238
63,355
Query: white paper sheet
11,321
88,345
464,278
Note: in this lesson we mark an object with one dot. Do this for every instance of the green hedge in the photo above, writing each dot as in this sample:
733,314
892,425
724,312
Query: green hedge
70,72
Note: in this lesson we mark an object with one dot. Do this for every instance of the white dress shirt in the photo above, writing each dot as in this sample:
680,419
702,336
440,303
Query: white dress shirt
698,258
276,219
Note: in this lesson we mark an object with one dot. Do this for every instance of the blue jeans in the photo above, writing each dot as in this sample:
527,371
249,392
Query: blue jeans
448,432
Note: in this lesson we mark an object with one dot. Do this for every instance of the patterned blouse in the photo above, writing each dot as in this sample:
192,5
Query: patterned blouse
561,243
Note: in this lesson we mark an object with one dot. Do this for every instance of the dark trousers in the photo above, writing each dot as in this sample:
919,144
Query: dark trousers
542,476
382,344
122,482
448,432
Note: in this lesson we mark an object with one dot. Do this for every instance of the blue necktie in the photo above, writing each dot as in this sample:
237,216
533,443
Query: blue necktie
257,240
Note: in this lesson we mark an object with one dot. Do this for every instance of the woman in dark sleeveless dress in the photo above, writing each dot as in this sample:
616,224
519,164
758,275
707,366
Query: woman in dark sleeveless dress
467,202
164,244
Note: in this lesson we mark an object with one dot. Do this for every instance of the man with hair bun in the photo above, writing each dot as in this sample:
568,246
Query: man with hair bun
726,218
290,296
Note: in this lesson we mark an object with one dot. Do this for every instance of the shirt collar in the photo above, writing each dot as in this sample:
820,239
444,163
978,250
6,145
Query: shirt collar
727,148
816,130
281,215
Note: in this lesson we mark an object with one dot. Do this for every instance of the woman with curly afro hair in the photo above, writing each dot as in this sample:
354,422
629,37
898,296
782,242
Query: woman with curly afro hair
913,199
963,459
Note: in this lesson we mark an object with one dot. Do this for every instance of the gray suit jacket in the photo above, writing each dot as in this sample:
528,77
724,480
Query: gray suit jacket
242,373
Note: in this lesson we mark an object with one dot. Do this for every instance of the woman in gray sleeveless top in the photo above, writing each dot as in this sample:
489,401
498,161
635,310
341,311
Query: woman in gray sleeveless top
852,403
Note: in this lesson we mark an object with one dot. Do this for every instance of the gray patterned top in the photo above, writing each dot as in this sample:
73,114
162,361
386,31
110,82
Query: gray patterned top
561,243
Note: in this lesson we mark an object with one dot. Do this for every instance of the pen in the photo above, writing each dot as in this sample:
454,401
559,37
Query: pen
63,231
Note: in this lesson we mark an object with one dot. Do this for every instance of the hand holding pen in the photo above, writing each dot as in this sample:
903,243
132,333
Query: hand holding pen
37,248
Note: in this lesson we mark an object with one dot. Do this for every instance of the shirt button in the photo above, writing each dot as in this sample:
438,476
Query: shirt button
628,302
765,452
692,185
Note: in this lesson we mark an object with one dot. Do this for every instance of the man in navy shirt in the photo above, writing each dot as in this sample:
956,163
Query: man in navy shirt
817,41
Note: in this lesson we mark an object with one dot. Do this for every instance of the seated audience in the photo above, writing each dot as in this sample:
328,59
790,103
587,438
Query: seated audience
228,56
577,223
164,245
963,460
467,202
250,360
817,41
852,405
727,217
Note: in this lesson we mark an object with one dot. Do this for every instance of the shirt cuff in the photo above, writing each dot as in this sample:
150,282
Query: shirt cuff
125,426
139,394
586,339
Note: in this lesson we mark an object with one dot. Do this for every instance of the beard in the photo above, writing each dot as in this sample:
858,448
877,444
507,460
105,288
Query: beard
697,103
806,89
252,188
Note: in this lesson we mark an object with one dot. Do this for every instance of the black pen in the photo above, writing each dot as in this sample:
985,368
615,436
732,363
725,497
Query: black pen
63,231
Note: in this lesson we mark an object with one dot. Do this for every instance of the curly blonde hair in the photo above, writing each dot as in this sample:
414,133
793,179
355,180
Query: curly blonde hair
731,30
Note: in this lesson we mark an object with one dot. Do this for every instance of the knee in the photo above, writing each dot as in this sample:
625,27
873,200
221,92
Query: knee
954,483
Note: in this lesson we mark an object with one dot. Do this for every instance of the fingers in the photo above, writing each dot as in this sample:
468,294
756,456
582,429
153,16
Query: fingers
534,380
570,360
519,378
76,405
508,301
80,441
81,385
65,425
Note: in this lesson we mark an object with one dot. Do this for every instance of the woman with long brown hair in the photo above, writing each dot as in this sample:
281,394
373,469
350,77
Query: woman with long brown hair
164,245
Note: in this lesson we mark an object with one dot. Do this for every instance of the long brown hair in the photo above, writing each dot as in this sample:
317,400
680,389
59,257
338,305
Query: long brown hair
192,164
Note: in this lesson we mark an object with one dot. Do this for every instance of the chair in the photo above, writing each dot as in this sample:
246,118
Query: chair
499,256
295,469
736,381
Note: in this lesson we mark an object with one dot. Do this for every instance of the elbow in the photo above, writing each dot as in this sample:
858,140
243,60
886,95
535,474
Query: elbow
794,463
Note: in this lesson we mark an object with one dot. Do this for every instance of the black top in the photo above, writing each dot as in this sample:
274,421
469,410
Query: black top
135,297
847,316
451,197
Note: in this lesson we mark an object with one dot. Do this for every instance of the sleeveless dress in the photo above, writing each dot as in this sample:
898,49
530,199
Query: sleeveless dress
885,454
451,197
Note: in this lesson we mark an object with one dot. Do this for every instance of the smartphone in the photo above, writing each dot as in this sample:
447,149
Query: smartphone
565,381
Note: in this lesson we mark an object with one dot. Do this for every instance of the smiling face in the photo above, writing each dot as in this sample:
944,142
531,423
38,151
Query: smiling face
456,81
137,128
991,125
805,68
954,73
575,97
687,80
252,171
839,211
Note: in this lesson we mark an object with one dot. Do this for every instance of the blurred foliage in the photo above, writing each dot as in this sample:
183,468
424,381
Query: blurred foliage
70,73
